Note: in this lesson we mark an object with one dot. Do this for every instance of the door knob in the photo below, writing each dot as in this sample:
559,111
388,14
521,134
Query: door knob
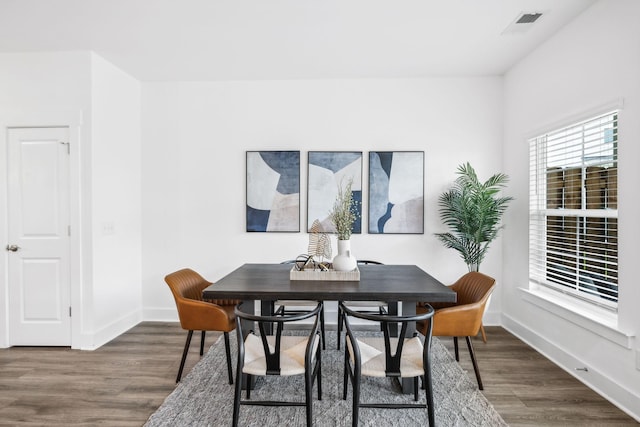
13,248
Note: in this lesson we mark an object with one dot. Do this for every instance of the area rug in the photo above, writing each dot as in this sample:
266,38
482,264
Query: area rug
205,398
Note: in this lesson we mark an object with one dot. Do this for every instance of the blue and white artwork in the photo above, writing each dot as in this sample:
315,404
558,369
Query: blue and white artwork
396,192
273,191
328,171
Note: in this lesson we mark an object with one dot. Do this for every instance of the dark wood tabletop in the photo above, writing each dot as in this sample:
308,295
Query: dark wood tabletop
268,282
391,283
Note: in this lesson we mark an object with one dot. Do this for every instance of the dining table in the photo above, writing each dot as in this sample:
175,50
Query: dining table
265,283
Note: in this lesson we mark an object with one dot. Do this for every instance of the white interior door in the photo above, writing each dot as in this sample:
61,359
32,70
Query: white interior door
38,247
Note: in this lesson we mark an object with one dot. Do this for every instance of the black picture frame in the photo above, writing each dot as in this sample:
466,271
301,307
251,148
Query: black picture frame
396,192
273,191
327,172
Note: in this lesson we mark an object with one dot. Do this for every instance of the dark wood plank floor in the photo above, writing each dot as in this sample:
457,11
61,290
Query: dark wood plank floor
529,390
123,382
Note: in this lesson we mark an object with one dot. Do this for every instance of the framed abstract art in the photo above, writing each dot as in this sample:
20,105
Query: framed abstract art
329,171
396,192
273,191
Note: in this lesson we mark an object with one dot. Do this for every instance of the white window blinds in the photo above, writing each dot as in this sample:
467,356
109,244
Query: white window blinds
573,209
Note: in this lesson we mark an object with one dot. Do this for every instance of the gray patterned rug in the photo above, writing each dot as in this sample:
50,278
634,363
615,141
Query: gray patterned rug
204,397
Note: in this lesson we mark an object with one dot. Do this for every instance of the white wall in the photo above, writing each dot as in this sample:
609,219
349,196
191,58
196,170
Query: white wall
49,89
115,203
589,64
192,186
195,136
102,107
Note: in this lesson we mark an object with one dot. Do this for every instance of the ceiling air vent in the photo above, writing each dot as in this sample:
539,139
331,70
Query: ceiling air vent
522,23
528,18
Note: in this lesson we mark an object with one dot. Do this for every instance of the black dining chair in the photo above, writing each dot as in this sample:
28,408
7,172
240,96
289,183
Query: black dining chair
380,307
386,356
282,306
281,355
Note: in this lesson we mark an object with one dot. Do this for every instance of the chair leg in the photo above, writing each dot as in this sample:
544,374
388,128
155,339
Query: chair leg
345,383
308,396
184,355
340,314
324,346
227,347
415,388
475,363
248,386
237,396
202,343
482,332
319,375
356,399
428,386
455,348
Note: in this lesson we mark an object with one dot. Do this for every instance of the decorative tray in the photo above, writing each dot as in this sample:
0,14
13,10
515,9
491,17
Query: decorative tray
346,276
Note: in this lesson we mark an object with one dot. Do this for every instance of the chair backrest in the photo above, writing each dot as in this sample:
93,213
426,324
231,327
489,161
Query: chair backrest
465,317
369,262
186,284
195,313
393,353
272,349
473,288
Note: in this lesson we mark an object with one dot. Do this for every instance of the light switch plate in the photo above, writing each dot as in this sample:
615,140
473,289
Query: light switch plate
108,228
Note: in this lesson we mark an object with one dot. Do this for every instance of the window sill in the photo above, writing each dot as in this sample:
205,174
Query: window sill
596,319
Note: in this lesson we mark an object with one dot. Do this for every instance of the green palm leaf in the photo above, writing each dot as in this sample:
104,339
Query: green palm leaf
472,211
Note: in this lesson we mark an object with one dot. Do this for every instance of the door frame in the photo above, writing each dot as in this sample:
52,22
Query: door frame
72,120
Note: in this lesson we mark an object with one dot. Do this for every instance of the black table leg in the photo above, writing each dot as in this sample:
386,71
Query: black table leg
266,309
408,309
392,307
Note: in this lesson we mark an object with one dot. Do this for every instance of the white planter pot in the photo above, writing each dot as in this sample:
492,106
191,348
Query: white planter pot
344,261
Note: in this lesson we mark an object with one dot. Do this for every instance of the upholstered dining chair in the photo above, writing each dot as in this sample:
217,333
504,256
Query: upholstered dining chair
386,356
282,355
198,315
463,318
299,306
379,307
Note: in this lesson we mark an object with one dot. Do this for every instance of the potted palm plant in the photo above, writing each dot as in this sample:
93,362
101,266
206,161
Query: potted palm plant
472,210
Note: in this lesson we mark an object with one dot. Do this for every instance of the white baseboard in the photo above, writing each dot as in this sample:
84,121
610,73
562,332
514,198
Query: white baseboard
160,314
492,318
110,331
599,382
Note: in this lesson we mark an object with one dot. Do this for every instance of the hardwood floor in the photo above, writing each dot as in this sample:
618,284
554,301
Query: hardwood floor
123,382
529,390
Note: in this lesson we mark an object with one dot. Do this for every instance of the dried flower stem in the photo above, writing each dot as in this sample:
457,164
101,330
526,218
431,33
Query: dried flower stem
344,212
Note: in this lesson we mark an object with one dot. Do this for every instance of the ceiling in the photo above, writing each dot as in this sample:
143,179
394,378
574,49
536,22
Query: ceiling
187,40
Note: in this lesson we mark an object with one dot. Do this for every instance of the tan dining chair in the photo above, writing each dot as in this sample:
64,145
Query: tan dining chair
198,315
463,318
262,354
386,356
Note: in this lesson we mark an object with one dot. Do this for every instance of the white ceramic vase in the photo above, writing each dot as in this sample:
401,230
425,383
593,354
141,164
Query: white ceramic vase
344,261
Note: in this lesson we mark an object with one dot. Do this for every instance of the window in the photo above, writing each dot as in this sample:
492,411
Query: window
573,210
